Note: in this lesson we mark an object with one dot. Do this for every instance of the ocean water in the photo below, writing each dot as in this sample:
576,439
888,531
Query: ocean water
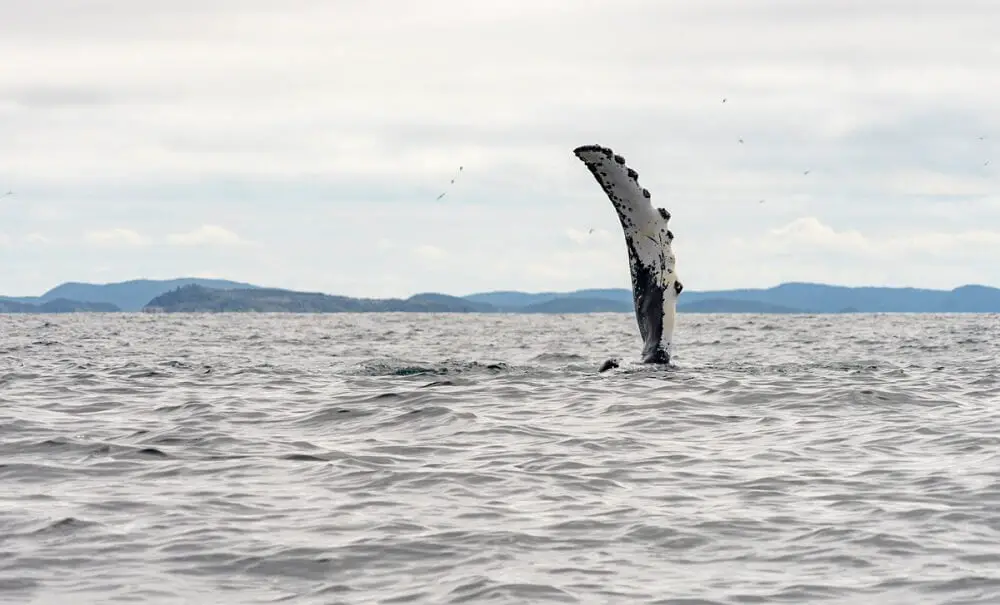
441,459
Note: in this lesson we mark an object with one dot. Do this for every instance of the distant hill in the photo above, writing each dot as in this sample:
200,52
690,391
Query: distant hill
211,296
972,299
127,296
570,304
449,304
725,305
821,298
57,305
516,301
785,298
199,299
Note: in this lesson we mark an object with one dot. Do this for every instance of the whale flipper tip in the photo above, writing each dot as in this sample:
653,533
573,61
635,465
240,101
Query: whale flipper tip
609,364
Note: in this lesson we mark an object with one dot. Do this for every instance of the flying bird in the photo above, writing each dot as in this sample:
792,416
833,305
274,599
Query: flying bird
452,183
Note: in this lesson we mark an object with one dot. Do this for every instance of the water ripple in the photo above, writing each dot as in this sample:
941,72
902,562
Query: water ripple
405,458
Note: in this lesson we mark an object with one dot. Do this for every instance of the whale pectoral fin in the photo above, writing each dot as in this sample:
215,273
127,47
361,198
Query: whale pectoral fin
649,240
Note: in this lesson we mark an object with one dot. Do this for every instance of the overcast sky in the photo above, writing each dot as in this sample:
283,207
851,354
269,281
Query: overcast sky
303,143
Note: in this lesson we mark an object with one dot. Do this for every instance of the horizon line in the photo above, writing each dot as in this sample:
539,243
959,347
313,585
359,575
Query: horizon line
498,291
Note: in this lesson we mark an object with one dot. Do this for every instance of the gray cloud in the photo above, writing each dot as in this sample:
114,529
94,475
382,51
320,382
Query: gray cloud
317,129
44,97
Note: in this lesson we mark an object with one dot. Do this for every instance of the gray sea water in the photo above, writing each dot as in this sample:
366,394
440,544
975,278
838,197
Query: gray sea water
440,459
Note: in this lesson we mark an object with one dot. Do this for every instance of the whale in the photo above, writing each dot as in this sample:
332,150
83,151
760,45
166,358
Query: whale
648,239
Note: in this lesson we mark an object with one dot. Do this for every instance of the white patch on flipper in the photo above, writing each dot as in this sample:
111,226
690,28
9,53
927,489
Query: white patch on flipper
645,229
